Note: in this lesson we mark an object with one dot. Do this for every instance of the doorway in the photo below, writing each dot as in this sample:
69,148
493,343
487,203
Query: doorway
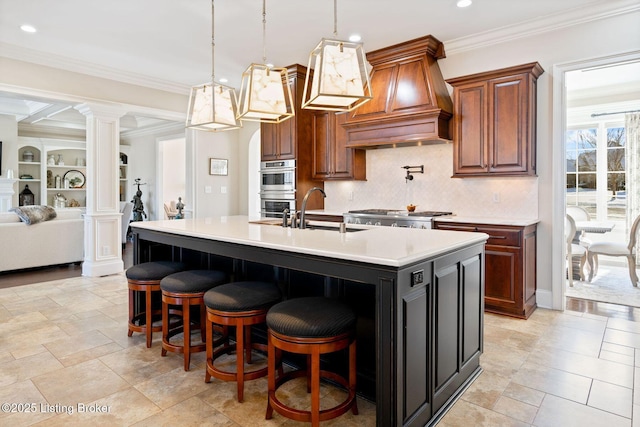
598,97
172,176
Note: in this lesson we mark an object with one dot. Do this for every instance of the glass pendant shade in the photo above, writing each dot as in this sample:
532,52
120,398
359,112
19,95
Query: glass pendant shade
340,80
265,95
212,108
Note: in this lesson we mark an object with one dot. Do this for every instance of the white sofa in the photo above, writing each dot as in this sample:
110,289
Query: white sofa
58,241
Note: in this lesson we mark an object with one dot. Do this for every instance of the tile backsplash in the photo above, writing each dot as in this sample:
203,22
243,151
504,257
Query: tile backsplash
386,187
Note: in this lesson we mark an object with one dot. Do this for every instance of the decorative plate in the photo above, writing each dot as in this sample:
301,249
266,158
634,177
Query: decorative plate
75,177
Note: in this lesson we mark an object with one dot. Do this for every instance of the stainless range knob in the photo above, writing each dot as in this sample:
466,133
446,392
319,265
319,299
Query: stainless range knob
357,221
378,223
395,224
369,223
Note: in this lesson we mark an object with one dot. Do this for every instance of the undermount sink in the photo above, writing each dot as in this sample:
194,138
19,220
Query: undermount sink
328,227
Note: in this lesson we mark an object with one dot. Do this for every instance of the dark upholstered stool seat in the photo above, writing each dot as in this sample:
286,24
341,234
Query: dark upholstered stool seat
155,270
239,304
312,317
186,289
146,277
313,326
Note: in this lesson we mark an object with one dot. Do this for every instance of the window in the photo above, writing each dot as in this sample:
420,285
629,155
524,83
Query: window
596,176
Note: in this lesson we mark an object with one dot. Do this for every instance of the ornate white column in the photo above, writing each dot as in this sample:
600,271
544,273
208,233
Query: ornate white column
102,232
6,193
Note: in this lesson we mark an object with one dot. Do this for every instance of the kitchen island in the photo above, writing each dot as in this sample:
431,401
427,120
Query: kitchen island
421,290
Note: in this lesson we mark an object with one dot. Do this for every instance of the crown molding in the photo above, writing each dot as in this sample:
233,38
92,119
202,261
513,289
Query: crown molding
156,130
593,12
82,67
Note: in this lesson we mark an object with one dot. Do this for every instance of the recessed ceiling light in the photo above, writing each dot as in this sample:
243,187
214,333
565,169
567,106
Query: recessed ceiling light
28,28
463,3
223,80
355,38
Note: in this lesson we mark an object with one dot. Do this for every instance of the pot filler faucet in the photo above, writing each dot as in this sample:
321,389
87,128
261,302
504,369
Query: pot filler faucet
304,204
412,169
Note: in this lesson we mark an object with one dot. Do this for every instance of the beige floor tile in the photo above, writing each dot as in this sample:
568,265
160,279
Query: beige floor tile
628,339
592,367
636,416
89,354
617,357
553,381
637,360
123,408
502,360
191,412
574,340
139,364
77,343
172,387
20,393
486,390
611,398
516,409
82,324
42,333
81,383
615,348
636,381
465,414
624,325
582,323
27,350
28,367
524,394
32,305
556,411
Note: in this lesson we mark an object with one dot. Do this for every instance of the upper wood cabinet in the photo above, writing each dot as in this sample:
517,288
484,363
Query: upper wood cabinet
280,141
332,160
494,124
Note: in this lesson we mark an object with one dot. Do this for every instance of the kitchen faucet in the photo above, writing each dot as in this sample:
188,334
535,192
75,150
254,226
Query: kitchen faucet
304,204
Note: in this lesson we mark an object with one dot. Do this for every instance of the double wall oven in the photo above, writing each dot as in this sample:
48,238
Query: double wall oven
277,187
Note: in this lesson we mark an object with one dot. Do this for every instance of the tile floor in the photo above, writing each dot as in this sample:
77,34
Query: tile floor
64,349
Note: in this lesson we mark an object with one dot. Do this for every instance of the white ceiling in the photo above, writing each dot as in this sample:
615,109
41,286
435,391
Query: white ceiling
168,42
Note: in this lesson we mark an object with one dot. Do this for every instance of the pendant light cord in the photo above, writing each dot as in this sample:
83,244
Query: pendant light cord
213,44
335,18
264,31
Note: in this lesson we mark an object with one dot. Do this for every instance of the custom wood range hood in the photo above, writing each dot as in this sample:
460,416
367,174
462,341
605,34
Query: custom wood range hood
410,105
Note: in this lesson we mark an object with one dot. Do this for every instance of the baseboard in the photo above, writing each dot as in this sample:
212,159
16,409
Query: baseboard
102,268
544,299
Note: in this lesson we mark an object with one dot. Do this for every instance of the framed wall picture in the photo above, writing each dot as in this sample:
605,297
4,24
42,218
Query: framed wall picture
218,166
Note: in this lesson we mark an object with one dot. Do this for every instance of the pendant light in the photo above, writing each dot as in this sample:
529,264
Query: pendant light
265,95
212,106
340,80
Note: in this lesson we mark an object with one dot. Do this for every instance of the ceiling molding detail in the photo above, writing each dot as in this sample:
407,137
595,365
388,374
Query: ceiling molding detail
601,10
82,67
156,130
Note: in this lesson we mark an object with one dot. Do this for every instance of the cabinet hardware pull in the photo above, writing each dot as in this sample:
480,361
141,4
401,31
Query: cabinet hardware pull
497,237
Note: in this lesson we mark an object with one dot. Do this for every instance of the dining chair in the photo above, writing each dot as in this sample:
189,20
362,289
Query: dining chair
574,251
169,211
616,249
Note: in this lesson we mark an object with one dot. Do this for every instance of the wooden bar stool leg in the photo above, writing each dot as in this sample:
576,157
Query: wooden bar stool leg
271,375
131,310
353,375
247,346
315,387
148,316
165,325
203,319
308,373
209,348
186,331
240,337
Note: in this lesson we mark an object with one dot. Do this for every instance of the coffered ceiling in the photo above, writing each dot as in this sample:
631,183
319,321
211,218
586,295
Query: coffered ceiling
167,44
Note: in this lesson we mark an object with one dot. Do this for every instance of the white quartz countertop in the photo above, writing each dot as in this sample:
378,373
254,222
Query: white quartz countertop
389,246
488,220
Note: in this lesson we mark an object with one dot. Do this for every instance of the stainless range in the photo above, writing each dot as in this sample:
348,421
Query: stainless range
392,218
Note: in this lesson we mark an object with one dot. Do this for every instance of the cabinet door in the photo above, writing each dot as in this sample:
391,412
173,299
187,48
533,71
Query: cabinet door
342,158
503,288
321,140
268,141
277,140
470,130
508,123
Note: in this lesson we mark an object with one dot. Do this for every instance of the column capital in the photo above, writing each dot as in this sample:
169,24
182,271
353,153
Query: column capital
110,110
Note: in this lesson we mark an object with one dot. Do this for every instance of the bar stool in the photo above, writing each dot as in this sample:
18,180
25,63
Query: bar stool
186,289
145,277
239,304
313,326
